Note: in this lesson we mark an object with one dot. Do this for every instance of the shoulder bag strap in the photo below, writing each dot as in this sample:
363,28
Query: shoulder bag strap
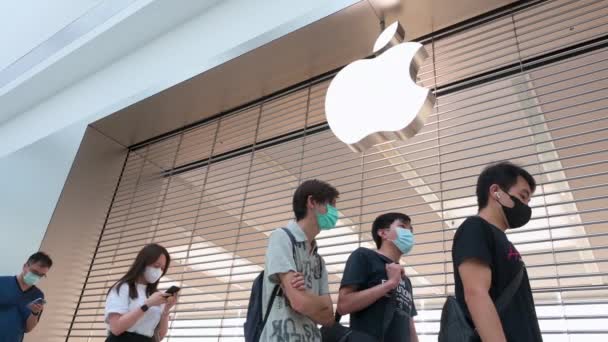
389,312
505,298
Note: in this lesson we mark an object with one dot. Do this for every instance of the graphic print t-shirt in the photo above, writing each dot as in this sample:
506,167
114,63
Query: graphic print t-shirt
364,269
478,239
284,324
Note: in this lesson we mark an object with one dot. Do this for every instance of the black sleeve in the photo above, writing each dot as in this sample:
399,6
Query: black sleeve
355,271
472,241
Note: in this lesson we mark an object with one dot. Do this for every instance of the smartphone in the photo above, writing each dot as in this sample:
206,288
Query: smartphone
173,290
39,301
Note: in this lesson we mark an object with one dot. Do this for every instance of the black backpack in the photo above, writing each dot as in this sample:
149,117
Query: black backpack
454,326
255,322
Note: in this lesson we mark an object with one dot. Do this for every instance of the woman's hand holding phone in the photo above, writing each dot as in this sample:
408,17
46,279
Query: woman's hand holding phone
172,296
156,299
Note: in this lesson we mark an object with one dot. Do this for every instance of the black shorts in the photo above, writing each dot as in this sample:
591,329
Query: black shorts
129,337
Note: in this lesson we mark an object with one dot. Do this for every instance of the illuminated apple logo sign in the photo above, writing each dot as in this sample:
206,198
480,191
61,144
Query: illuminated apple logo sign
376,100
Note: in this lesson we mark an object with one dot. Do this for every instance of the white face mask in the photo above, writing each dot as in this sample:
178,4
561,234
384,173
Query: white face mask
152,274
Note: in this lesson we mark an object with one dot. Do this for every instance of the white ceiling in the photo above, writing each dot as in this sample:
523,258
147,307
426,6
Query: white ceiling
27,23
94,49
144,49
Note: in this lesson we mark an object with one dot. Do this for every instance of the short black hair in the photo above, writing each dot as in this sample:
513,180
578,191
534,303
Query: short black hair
384,221
321,192
42,258
505,175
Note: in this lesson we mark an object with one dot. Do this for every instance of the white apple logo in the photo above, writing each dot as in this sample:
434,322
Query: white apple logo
377,100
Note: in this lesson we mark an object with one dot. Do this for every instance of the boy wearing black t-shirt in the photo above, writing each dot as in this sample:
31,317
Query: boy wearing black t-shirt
485,261
374,280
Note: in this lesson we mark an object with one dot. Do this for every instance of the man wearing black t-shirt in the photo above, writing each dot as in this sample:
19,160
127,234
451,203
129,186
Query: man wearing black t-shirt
374,280
485,261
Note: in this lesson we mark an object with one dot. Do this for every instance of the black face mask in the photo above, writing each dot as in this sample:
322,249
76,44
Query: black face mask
517,216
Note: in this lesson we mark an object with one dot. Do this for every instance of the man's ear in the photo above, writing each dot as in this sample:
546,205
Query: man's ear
310,203
382,233
495,191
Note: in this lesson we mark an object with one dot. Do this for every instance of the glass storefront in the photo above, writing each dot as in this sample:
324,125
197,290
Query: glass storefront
528,86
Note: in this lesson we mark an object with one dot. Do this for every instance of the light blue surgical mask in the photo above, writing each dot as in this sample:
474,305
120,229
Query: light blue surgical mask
405,240
31,279
328,220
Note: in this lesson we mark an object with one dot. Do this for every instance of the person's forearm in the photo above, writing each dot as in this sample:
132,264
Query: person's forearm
359,300
317,308
31,323
324,314
485,317
164,325
413,333
125,321
413,337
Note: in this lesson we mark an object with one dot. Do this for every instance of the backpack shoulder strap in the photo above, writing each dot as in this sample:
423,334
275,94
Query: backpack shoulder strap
269,307
292,239
505,298
275,290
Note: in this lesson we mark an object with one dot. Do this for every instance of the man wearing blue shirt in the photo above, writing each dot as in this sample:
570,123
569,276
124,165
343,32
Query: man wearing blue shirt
21,302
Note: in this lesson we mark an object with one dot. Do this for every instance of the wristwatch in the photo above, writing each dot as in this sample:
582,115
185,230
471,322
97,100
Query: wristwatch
144,308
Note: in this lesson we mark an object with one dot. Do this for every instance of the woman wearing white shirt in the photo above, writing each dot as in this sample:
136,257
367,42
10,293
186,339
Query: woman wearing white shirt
135,310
